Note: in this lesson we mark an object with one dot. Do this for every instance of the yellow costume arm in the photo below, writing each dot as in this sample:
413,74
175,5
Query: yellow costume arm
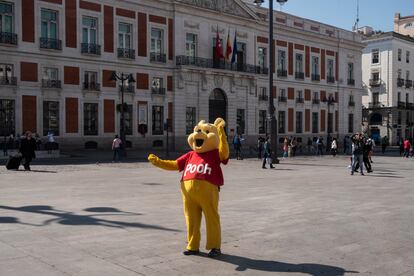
170,165
224,145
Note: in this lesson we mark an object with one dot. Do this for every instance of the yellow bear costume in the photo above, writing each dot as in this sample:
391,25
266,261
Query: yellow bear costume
200,183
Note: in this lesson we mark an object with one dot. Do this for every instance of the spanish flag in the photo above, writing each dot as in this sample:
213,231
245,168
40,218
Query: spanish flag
228,47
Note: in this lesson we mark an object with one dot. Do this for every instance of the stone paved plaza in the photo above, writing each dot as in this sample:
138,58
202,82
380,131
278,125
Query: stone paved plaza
307,217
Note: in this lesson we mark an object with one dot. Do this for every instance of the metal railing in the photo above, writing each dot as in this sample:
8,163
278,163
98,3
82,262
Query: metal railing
409,106
400,82
401,105
50,43
330,79
91,86
263,98
90,48
351,103
299,75
158,90
316,101
375,105
8,38
51,83
374,82
282,99
316,77
158,57
220,64
281,73
300,100
8,80
130,88
351,82
126,53
408,83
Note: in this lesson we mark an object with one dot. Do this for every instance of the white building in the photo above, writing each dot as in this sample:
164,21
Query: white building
387,74
58,55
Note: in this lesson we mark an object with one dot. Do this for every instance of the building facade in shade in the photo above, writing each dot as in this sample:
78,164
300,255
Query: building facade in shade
57,57
387,74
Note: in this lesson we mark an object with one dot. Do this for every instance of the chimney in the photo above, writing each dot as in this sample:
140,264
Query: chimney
397,17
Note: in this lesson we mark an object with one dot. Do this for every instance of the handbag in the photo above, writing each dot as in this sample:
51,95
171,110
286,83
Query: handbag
269,160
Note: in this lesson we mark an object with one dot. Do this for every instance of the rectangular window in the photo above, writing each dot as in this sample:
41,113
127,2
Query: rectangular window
299,94
128,119
157,42
6,72
190,119
262,59
330,68
191,45
50,74
89,30
315,65
49,24
281,60
399,73
282,121
375,56
375,76
50,118
241,53
157,120
90,80
316,95
7,117
375,98
299,63
399,96
315,122
407,57
299,122
262,121
125,36
157,86
350,71
399,118
6,17
350,123
90,119
407,75
407,98
282,92
399,54
241,121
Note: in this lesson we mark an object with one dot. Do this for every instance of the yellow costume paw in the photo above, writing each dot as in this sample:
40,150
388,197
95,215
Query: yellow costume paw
153,158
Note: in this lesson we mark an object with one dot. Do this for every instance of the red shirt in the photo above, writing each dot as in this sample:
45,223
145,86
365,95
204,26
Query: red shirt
407,144
202,166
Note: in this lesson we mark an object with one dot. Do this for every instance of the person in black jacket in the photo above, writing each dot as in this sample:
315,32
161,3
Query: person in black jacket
27,149
357,152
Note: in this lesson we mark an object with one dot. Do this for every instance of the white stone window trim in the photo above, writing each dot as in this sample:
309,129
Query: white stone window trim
99,25
39,5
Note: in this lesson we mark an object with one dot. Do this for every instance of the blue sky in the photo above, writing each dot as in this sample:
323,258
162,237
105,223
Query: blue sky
378,14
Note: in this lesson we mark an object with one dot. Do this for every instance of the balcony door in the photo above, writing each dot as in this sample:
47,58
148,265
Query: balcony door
217,105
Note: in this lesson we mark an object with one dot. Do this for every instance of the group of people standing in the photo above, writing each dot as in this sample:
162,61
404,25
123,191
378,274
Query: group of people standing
362,148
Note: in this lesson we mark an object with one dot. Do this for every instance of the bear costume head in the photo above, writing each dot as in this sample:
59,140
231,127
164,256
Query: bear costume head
206,136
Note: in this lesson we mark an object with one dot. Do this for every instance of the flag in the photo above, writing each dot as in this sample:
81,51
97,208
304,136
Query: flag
219,49
228,47
234,56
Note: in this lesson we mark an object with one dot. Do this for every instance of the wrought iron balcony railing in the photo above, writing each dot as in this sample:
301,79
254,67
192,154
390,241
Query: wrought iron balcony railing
316,101
263,98
158,57
126,53
8,81
91,86
400,82
401,105
51,83
375,105
330,79
158,90
316,77
130,88
374,82
351,82
220,64
282,99
300,100
91,49
50,43
409,106
281,73
299,75
8,38
351,103
408,83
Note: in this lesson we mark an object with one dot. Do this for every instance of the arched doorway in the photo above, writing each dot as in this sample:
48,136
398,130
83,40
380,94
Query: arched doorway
217,105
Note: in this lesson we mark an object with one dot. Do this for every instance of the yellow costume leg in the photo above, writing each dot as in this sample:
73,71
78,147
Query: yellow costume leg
192,211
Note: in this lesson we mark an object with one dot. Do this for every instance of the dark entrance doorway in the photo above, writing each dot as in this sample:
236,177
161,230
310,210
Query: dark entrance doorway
217,105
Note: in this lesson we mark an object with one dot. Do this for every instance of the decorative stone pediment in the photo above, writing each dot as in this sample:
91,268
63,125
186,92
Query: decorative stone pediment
233,7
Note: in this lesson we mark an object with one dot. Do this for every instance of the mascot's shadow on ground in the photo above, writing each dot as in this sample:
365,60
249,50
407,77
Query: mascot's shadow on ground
200,183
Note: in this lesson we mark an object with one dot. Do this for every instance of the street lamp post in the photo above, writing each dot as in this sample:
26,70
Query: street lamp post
330,101
122,77
271,119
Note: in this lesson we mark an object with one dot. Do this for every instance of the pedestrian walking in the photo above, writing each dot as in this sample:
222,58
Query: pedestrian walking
293,145
237,146
267,157
116,148
27,149
285,148
50,142
384,144
309,144
371,152
357,153
407,146
319,146
334,147
365,155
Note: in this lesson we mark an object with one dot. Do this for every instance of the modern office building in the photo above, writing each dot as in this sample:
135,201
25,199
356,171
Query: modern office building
57,58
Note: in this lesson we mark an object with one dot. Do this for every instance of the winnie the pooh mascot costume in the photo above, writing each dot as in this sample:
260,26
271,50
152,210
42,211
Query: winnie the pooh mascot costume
200,183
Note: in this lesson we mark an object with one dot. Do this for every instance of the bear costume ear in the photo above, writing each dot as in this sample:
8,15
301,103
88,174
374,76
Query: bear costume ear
219,122
202,122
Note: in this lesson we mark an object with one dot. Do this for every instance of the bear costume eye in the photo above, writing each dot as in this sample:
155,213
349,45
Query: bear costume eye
207,132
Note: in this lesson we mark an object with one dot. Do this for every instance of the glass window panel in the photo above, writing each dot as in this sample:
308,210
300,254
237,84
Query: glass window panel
84,35
44,29
92,39
53,31
8,25
6,8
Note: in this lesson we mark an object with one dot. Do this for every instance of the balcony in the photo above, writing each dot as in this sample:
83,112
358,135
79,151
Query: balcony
401,105
51,83
126,53
50,43
158,90
299,75
282,99
351,82
409,106
8,81
330,79
91,86
316,77
408,83
91,49
375,105
219,64
300,100
351,103
129,88
282,73
400,82
263,98
8,38
316,101
374,82
158,57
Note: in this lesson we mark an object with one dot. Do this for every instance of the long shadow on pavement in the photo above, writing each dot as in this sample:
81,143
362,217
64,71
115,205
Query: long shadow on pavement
244,264
70,218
